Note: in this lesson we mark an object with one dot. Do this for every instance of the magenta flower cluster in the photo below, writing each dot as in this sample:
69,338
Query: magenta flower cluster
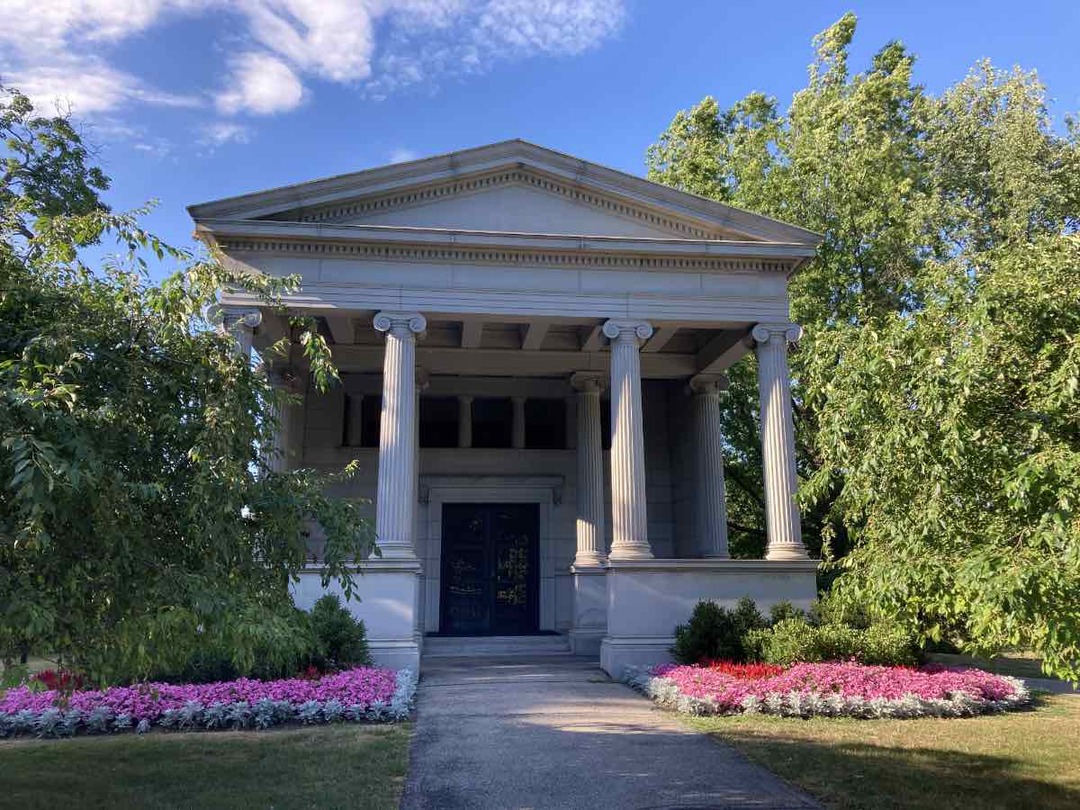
833,689
363,686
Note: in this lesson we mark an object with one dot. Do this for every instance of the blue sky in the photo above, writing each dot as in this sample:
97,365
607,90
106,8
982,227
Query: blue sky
191,100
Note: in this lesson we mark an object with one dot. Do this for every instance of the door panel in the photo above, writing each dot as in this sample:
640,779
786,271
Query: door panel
490,581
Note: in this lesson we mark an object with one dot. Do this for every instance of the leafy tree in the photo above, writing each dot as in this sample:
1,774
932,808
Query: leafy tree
844,161
936,389
139,518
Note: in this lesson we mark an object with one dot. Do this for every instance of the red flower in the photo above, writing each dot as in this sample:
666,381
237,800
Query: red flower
743,672
59,681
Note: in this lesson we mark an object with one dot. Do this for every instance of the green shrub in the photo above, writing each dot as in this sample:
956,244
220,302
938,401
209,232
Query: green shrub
794,640
281,641
716,633
340,639
785,610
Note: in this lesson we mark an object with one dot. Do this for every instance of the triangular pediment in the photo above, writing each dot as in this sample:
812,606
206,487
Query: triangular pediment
508,187
514,200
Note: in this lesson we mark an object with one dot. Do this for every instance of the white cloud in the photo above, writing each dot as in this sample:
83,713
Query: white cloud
261,84
88,86
65,49
219,133
402,155
525,27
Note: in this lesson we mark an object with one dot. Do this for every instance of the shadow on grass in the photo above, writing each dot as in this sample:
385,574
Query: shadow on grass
939,764
352,766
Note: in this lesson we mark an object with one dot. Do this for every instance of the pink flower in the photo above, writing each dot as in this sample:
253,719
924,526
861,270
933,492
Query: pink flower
847,679
360,686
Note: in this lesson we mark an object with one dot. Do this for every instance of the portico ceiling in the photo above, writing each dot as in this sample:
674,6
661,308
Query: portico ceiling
527,347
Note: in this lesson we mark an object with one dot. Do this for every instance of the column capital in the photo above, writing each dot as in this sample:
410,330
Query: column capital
239,318
465,398
589,382
627,331
762,333
708,384
399,322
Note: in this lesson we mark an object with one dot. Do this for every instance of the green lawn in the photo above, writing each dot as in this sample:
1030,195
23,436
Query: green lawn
1027,759
355,766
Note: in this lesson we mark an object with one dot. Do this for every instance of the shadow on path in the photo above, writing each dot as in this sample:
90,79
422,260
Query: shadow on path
555,733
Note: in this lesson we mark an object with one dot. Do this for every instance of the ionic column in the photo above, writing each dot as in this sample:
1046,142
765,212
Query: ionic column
274,453
242,326
464,425
423,380
778,441
710,504
590,470
395,507
518,425
630,536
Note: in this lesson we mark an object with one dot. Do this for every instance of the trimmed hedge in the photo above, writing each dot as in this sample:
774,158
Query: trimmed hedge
792,641
741,634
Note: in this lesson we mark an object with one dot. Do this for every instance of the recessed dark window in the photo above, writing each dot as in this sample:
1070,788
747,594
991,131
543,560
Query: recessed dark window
438,422
605,424
545,424
352,425
370,416
492,422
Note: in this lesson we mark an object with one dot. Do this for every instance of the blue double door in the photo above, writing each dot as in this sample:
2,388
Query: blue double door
490,578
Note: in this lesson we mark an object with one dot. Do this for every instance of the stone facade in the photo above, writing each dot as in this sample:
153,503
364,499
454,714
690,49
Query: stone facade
517,326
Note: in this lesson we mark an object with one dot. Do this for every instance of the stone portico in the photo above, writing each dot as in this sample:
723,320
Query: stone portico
533,350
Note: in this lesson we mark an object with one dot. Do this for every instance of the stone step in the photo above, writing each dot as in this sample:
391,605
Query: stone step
477,646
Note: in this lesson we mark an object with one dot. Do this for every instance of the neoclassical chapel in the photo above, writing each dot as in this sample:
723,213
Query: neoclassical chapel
532,349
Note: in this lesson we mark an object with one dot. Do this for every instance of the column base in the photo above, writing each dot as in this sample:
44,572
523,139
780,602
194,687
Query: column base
388,607
590,609
396,653
585,643
619,654
587,560
786,551
636,551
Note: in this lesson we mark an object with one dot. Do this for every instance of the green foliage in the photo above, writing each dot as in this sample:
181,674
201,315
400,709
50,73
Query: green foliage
139,518
794,640
13,674
340,639
716,633
782,611
956,430
278,647
938,385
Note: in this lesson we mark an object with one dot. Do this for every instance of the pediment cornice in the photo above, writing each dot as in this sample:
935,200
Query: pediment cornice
418,182
344,211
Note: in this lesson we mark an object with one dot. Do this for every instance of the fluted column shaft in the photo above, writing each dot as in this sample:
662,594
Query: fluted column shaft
778,441
710,498
630,536
395,507
274,453
464,428
590,471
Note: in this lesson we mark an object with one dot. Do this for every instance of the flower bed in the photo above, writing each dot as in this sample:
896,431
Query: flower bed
831,690
357,695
